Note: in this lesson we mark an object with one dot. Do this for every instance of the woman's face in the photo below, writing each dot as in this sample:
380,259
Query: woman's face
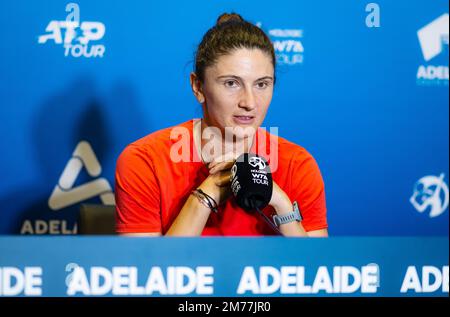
237,90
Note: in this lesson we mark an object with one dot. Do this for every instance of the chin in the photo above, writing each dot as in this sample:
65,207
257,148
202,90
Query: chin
242,132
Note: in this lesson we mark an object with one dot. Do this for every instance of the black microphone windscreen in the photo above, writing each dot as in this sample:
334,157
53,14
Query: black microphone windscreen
251,182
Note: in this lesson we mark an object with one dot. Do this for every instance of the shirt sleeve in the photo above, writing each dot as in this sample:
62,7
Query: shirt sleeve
137,193
308,190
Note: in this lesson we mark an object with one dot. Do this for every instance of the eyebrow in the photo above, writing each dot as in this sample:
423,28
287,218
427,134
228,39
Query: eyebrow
239,78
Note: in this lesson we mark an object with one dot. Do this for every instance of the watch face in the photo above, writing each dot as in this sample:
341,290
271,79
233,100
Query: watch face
297,214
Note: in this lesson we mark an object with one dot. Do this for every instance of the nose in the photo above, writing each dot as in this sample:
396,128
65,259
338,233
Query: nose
247,100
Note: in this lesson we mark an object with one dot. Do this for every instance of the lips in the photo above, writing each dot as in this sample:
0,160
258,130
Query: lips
244,119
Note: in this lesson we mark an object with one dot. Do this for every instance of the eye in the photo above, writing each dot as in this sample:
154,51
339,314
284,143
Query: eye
262,84
231,83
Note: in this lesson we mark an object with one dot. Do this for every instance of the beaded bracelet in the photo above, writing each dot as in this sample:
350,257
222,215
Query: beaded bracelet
205,199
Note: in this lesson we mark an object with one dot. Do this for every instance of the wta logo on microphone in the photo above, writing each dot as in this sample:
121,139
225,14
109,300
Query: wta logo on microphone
251,181
259,174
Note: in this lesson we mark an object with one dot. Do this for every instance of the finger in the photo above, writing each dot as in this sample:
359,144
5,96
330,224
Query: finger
223,179
227,157
221,167
218,167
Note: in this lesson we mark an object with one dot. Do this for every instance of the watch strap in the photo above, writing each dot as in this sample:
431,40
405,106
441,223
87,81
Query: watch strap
290,217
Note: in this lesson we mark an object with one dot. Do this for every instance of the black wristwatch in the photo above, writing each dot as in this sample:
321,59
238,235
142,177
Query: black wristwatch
292,216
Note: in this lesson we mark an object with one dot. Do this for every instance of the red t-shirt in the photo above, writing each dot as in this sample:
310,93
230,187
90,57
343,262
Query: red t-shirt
151,189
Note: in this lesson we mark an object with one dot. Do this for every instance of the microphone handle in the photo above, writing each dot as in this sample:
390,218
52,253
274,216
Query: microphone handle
267,220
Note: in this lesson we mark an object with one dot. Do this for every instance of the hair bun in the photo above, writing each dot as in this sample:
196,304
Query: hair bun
226,17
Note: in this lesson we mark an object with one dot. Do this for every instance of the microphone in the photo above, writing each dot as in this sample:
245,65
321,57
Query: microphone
252,184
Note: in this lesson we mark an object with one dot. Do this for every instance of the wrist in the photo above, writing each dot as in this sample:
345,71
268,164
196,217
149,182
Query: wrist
283,209
205,199
289,217
211,193
282,205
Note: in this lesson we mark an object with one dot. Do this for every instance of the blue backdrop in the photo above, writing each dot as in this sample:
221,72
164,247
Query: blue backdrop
362,86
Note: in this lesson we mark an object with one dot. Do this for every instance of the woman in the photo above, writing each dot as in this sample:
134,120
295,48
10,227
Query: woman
163,188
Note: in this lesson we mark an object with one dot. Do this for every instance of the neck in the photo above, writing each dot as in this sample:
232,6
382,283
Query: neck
214,143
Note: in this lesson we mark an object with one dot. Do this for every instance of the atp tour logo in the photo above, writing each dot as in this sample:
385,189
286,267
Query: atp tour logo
64,194
430,192
288,45
257,162
433,40
78,38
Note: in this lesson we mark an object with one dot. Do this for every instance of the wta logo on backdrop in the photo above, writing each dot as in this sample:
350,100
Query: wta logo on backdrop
433,40
288,45
79,39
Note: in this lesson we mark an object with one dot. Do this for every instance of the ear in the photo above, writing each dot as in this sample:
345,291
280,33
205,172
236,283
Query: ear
197,88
